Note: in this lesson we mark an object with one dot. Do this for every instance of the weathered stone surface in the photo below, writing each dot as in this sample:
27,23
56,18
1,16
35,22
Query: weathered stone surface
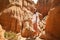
3,4
10,19
43,6
27,28
18,18
53,22
2,33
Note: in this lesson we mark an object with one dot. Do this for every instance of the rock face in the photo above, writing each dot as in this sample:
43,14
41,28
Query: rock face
53,22
43,6
9,20
2,33
17,17
17,11
3,4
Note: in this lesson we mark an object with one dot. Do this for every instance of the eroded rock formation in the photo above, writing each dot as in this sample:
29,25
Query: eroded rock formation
53,22
15,13
2,31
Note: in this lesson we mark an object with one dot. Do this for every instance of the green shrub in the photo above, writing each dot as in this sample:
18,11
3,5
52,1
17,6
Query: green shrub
10,35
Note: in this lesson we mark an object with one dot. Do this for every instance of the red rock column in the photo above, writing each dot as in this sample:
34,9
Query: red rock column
53,24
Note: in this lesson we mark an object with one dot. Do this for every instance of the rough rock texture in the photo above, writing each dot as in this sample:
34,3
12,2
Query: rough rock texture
2,33
17,17
43,6
3,4
9,19
17,11
53,22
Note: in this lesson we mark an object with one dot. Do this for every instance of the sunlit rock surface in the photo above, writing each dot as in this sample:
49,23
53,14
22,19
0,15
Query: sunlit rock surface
16,17
2,31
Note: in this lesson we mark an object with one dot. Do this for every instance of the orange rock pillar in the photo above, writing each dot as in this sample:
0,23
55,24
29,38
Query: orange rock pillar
53,24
